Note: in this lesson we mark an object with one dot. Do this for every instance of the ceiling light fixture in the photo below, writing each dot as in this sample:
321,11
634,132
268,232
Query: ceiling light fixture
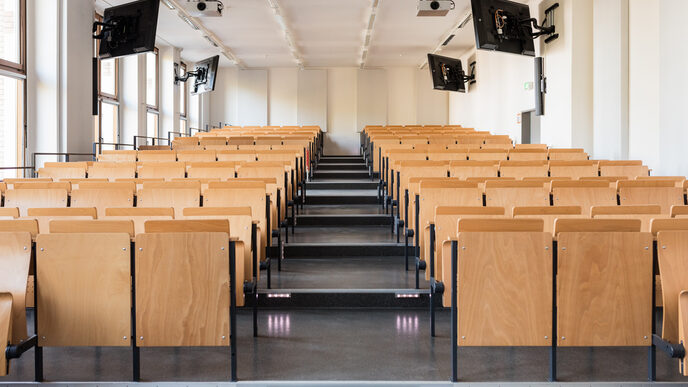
288,36
168,4
189,22
368,34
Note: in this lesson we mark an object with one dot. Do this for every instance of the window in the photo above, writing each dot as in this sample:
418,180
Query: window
12,85
106,125
183,90
152,87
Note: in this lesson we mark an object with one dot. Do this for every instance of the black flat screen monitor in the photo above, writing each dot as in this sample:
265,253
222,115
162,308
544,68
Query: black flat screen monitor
502,25
447,73
129,29
206,74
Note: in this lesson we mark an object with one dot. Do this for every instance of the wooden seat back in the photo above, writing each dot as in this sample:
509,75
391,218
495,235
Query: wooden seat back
237,155
645,213
112,170
46,215
629,168
118,156
445,221
573,169
77,271
499,308
510,194
567,154
139,215
583,193
240,140
242,194
178,195
63,172
604,282
119,195
549,214
24,199
522,169
487,154
196,156
660,192
15,261
528,154
182,284
166,172
448,155
156,156
466,169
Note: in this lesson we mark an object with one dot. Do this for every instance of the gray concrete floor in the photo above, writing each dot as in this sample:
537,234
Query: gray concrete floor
344,345
341,209
353,234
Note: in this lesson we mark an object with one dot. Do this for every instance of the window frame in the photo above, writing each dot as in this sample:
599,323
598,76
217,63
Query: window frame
106,98
12,67
155,107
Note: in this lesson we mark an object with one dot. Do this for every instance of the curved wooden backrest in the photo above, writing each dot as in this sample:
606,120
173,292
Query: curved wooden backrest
156,155
182,285
15,260
240,140
196,155
207,140
487,154
102,198
112,170
510,194
565,154
521,169
499,308
660,192
118,155
205,225
84,292
472,168
9,213
604,281
63,211
20,225
62,172
221,173
165,172
119,185
528,154
139,216
679,211
572,169
584,193
35,198
92,226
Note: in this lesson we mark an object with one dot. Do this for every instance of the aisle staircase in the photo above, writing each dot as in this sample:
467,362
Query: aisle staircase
342,252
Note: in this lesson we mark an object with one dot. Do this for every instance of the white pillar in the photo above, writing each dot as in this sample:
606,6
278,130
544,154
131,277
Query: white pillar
169,92
610,91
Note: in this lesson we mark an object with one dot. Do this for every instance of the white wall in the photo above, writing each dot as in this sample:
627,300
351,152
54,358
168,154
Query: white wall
282,96
340,100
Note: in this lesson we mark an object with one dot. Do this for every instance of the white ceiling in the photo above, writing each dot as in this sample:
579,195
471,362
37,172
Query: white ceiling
327,33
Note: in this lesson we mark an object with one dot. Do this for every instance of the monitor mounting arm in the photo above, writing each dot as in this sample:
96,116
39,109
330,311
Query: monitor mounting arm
547,27
105,27
198,74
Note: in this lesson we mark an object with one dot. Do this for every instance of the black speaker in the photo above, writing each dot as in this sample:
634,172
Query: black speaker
94,107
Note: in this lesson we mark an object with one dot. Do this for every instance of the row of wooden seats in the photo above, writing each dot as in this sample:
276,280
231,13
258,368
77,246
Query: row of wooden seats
217,140
198,155
165,170
590,283
94,285
638,198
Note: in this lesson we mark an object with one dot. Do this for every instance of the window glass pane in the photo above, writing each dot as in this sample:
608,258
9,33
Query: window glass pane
11,123
151,81
109,121
10,27
182,126
151,126
182,99
108,76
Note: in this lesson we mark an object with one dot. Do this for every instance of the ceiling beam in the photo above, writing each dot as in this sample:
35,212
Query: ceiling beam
212,39
368,33
462,22
286,31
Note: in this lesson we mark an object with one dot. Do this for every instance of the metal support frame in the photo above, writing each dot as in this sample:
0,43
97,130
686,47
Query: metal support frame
432,280
454,316
269,241
419,265
153,142
232,312
254,273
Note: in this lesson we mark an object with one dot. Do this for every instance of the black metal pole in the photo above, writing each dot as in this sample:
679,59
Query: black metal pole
254,257
135,350
38,351
269,238
553,346
432,280
232,312
454,317
652,350
417,247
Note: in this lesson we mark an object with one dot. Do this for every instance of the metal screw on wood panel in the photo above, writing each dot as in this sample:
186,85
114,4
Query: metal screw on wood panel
124,249
124,338
563,248
645,337
140,248
223,337
546,247
546,337
141,338
41,249
463,247
43,337
222,248
24,247
463,337
664,247
647,248
563,338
